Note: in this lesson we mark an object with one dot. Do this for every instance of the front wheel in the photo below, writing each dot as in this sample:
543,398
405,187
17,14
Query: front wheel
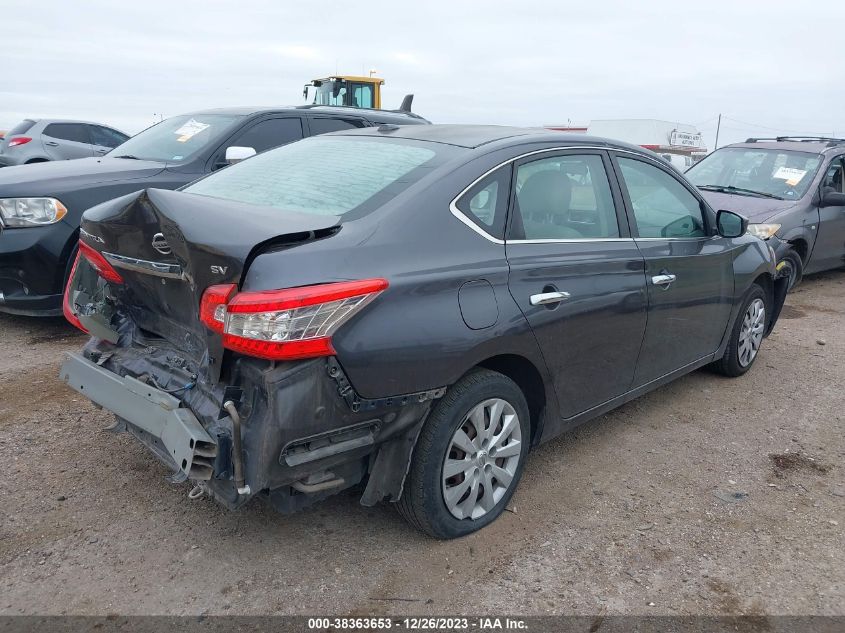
468,458
746,336
793,268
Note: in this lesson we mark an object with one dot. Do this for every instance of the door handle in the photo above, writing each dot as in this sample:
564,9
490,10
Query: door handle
545,298
101,151
51,143
665,280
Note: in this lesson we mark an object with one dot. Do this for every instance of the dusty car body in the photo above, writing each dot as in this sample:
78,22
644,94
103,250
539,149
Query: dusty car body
792,190
408,308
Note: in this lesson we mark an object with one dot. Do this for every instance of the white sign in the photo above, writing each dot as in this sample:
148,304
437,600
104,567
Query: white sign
684,139
791,175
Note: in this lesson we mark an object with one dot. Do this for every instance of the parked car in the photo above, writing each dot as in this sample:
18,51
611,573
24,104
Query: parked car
411,307
42,140
41,205
793,191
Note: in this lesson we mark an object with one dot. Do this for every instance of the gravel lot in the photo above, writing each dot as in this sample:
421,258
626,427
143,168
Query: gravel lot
708,496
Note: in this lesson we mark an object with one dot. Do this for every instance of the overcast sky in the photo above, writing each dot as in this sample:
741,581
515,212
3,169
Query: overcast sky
768,66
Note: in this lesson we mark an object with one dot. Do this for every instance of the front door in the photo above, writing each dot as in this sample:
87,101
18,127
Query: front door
829,249
689,271
577,275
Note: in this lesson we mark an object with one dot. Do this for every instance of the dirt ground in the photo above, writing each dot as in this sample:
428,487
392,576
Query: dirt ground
708,496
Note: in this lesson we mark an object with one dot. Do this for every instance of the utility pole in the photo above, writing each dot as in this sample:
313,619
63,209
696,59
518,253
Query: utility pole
718,125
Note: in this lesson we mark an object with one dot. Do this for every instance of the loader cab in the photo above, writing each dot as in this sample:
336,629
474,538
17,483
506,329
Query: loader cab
356,92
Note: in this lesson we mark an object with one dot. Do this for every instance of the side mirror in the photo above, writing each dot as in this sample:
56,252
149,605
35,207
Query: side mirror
236,154
832,199
730,224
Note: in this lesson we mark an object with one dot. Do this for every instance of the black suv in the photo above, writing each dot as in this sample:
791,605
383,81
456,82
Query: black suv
793,191
41,205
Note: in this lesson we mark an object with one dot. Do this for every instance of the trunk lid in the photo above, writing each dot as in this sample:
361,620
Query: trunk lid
170,246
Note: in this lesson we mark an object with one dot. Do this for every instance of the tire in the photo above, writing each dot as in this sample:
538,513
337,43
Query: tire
424,500
795,268
735,362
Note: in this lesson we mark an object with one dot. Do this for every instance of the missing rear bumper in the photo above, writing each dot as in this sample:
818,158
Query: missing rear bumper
169,430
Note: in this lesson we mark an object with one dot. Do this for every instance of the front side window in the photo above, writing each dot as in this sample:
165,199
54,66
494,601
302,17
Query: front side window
835,176
269,133
106,137
75,132
486,202
662,206
325,175
783,174
564,197
177,139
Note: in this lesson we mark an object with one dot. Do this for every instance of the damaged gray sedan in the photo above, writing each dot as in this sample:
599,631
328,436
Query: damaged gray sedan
405,309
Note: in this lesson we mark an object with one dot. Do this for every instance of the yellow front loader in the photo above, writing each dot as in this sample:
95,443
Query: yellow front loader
349,90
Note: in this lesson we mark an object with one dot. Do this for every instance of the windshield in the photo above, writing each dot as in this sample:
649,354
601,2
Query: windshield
327,175
772,172
330,93
176,139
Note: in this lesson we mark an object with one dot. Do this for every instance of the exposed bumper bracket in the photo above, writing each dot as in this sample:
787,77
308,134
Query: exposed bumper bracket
185,441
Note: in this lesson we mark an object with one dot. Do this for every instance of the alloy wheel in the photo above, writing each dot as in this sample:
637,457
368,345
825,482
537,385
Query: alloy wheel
482,459
751,333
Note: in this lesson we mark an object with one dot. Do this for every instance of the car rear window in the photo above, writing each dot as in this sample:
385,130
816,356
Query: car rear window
326,175
21,128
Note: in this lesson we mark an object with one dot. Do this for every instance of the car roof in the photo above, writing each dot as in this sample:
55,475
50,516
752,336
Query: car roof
793,144
49,121
473,136
402,118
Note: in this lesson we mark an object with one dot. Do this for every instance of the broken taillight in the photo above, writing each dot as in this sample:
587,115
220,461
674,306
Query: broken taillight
286,324
66,309
100,264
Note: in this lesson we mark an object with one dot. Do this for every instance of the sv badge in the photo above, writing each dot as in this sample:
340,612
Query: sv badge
220,270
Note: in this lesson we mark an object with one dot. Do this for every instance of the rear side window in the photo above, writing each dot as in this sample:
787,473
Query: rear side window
326,175
21,128
106,137
76,132
486,202
269,133
322,125
662,206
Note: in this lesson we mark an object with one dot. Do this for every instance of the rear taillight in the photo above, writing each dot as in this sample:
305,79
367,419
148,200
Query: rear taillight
19,140
100,264
285,324
66,309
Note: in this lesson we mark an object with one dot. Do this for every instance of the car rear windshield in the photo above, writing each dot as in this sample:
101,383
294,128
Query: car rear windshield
177,139
773,172
21,128
323,175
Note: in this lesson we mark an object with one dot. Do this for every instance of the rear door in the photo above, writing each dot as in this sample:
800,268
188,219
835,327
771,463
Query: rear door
261,135
105,139
576,274
829,249
64,141
689,271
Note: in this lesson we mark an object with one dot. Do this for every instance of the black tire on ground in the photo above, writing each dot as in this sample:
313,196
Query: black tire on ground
422,503
729,364
795,267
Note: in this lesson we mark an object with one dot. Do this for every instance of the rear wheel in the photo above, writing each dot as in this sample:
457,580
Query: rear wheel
469,457
747,335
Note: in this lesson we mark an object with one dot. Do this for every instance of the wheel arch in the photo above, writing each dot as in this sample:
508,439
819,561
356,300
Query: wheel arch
528,378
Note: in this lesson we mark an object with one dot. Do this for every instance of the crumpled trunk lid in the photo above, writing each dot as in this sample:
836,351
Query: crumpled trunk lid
170,246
